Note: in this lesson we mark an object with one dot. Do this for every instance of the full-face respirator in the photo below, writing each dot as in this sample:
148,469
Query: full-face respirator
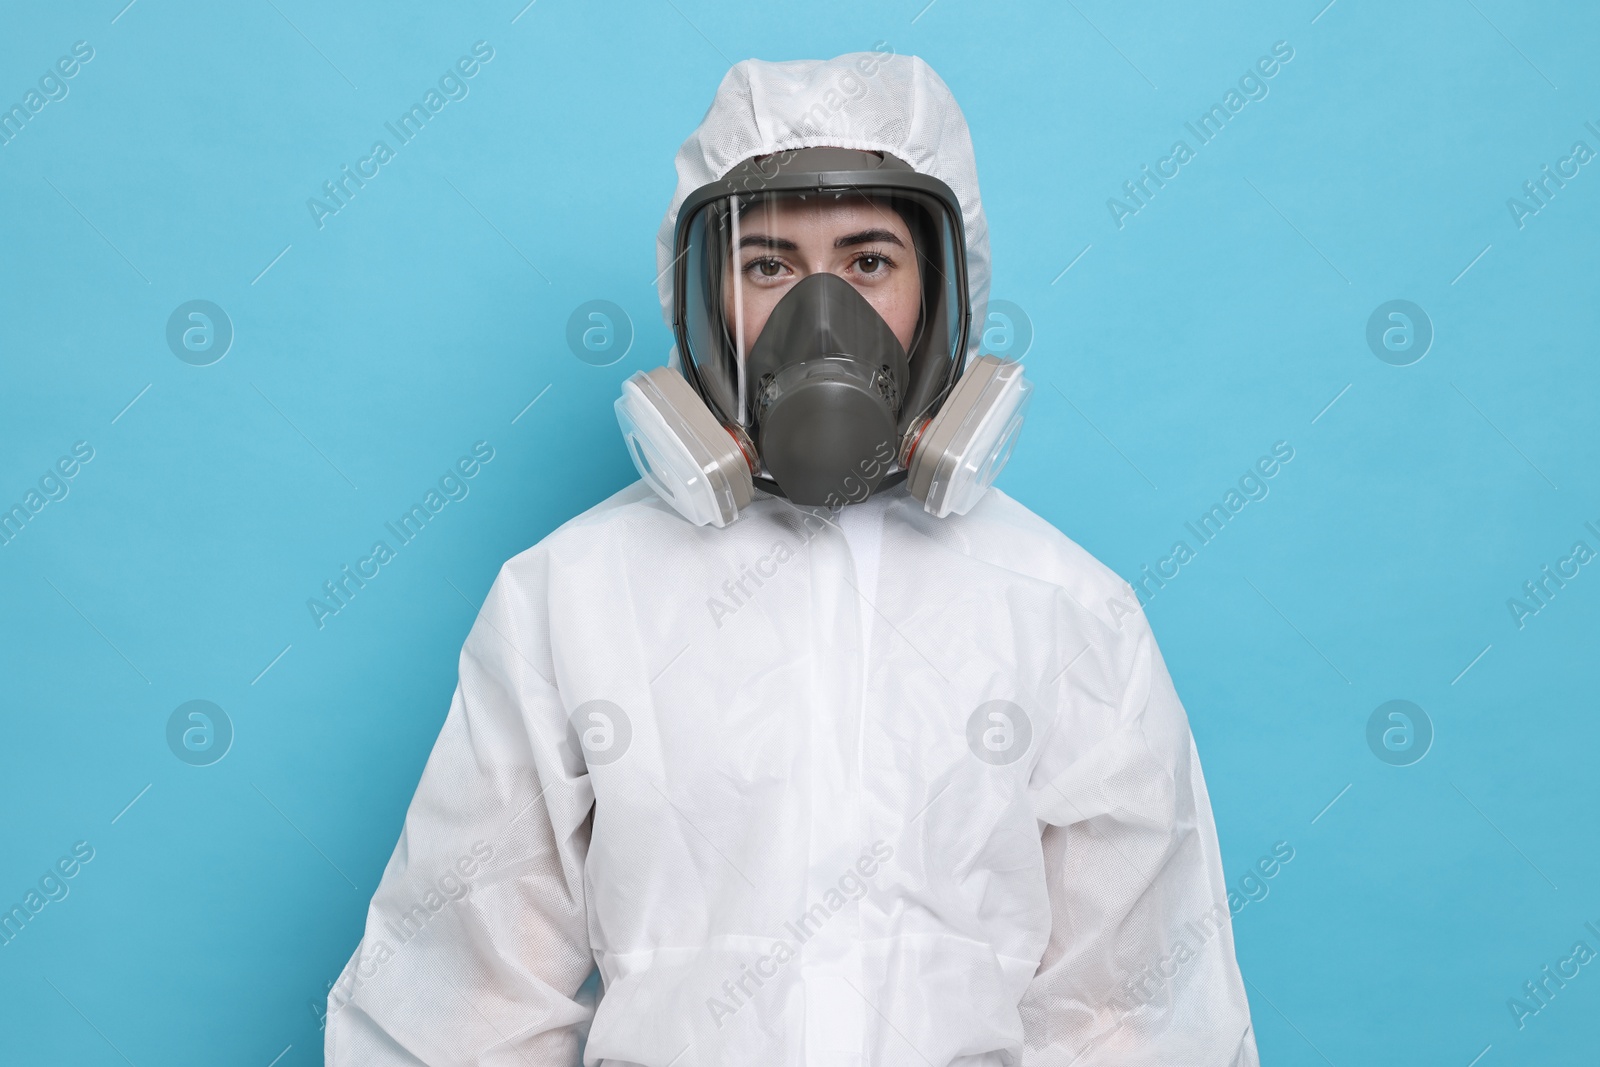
821,317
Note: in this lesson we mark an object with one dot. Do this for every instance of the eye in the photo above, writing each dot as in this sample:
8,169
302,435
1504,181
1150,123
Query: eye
765,267
871,263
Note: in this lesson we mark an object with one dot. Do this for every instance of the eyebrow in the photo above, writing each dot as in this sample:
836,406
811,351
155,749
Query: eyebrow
758,240
868,237
783,244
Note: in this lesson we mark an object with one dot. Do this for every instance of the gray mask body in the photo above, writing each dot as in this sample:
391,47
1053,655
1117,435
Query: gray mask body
826,379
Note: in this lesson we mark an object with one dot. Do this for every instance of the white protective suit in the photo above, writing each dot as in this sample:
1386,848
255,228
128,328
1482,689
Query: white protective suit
855,788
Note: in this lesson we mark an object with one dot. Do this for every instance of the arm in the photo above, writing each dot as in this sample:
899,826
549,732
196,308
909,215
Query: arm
477,939
1139,970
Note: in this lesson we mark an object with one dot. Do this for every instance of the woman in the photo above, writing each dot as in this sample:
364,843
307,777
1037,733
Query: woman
822,753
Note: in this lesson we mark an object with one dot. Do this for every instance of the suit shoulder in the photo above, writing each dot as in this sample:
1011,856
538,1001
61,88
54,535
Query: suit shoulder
1026,543
581,533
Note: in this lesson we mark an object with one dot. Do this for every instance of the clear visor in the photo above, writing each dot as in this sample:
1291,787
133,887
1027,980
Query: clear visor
743,253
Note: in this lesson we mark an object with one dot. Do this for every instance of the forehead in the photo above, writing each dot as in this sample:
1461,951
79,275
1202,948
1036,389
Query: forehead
842,213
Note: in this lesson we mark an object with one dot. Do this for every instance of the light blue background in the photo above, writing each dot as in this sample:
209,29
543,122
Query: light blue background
1223,317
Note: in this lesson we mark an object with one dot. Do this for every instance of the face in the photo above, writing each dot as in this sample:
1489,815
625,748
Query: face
865,243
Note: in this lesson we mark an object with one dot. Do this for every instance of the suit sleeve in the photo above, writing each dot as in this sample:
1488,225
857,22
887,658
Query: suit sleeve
1139,970
476,940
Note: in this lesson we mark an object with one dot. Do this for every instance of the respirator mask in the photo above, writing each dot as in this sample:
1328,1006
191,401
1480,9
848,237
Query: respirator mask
821,316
